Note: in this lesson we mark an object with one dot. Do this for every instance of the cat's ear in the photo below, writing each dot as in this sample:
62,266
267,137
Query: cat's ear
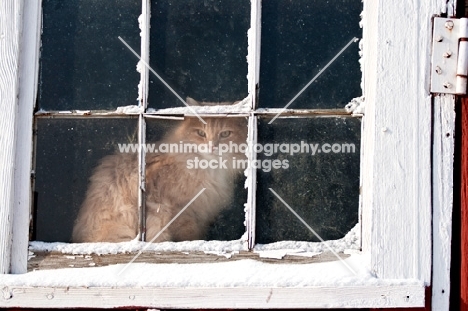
191,102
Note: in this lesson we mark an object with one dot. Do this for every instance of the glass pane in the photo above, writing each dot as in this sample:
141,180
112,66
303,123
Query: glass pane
299,38
199,48
183,163
84,65
67,152
313,165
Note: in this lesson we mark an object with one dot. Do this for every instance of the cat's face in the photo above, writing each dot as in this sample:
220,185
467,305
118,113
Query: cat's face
232,130
217,130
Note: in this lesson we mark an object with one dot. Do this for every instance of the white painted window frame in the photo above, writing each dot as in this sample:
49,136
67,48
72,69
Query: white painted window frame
406,172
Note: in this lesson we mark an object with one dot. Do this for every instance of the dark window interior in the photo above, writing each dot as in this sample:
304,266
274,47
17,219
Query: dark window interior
298,39
83,64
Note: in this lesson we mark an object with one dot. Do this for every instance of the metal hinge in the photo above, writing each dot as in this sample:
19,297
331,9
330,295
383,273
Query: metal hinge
449,56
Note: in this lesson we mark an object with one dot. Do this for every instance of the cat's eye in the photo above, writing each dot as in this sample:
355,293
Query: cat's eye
225,134
201,133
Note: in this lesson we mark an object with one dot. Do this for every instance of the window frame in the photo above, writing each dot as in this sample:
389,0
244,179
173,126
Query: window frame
403,140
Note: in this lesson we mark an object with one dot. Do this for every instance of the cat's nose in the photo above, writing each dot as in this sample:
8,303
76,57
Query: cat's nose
214,146
214,149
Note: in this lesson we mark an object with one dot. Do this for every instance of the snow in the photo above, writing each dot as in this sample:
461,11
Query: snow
140,67
243,106
236,273
131,109
356,106
82,112
222,253
350,242
135,246
224,274
279,254
246,272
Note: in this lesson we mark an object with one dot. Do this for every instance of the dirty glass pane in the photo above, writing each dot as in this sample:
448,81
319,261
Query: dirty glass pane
67,152
299,38
199,48
178,168
315,170
83,63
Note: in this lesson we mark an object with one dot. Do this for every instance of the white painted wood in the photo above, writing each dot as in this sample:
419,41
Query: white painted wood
29,66
397,137
255,297
251,183
141,178
144,21
10,34
253,57
443,151
253,76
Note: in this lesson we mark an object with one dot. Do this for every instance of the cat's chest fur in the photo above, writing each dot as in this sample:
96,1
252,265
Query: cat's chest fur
170,186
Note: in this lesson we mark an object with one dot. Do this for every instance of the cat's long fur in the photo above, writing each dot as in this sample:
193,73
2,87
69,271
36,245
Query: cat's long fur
109,212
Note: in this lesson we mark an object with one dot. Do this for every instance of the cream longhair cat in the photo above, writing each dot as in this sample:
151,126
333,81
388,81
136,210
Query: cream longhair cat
109,212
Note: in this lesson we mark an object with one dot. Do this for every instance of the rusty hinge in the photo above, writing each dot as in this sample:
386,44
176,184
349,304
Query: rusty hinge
449,56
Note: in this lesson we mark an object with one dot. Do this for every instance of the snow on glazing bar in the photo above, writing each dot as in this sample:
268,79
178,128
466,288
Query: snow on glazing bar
119,111
348,242
241,107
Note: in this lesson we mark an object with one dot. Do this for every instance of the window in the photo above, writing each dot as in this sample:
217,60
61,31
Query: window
199,49
394,147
